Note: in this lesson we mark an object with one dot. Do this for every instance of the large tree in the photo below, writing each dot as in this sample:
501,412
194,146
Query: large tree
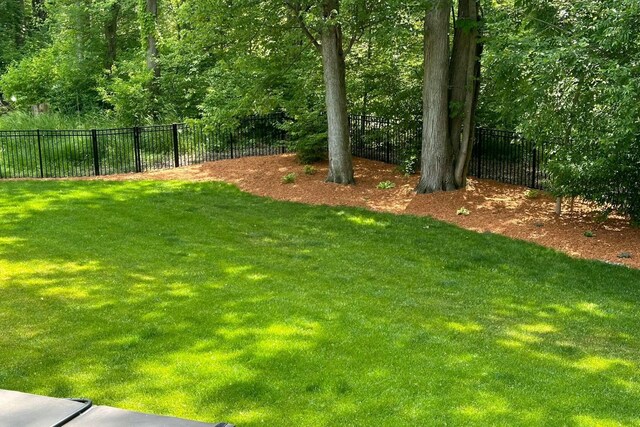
450,88
329,41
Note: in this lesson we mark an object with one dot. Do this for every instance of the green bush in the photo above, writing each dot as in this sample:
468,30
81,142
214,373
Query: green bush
128,91
308,136
289,178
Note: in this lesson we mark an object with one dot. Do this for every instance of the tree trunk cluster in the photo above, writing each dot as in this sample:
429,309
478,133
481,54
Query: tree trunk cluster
450,92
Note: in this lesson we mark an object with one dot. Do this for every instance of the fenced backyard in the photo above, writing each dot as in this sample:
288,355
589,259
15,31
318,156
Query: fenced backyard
499,155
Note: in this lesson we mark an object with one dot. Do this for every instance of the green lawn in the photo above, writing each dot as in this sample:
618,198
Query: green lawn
199,301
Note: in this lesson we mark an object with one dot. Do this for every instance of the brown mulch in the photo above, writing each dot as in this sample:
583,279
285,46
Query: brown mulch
493,207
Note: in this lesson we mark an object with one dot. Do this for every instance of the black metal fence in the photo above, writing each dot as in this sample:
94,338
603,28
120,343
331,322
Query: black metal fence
75,153
499,155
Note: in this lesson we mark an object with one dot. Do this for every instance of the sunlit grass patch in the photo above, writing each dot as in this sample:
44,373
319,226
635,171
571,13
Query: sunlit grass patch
199,301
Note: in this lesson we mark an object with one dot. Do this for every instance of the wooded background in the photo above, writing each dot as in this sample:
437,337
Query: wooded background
566,72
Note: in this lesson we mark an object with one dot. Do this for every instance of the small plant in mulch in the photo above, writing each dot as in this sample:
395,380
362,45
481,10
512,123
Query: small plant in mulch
532,194
589,234
625,255
309,170
463,212
289,178
385,185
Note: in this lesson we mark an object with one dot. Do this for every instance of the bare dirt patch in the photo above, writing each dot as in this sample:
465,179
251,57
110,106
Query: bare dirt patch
493,207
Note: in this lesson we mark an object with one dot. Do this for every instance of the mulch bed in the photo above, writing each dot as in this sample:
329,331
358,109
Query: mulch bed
493,207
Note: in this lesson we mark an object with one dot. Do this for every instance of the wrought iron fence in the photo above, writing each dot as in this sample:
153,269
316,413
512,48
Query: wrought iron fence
75,153
499,155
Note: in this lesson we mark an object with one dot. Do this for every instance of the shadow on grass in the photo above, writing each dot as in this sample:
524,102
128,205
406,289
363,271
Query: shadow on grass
199,301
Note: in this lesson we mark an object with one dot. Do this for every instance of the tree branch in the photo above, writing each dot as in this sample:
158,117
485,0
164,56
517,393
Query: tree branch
297,13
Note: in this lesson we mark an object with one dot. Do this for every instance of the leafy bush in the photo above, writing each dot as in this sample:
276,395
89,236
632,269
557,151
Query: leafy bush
605,171
308,135
410,159
289,178
309,170
30,81
128,90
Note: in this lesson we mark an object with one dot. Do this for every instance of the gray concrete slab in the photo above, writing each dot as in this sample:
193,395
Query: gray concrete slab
30,410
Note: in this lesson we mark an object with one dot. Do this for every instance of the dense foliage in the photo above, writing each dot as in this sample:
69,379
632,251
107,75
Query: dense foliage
567,72
560,71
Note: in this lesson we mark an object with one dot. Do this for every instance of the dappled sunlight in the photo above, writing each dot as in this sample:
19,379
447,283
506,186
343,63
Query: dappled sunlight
485,405
219,305
539,328
361,220
591,308
591,421
464,327
596,364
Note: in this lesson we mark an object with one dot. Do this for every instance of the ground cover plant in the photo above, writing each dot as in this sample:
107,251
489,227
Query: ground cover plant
197,300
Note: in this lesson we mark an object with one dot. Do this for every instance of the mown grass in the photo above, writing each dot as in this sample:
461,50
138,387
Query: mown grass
199,301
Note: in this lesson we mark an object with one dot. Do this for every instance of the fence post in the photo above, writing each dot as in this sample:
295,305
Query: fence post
96,159
136,148
176,149
40,154
534,172
231,143
388,138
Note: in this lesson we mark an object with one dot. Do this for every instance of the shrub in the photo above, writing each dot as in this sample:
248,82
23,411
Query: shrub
409,161
309,170
308,135
128,91
289,178
589,234
463,211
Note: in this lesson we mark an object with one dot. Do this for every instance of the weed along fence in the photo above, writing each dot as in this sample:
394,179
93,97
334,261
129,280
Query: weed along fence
499,155
76,153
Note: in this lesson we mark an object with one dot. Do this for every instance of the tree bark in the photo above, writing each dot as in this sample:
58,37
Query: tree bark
333,64
152,49
465,124
459,73
110,35
437,156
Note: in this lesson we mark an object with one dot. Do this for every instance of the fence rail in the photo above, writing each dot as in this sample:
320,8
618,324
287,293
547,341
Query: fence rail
499,155
76,153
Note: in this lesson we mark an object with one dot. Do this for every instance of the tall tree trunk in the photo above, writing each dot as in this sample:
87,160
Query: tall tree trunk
465,85
458,73
437,155
468,134
152,49
110,35
20,24
333,64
